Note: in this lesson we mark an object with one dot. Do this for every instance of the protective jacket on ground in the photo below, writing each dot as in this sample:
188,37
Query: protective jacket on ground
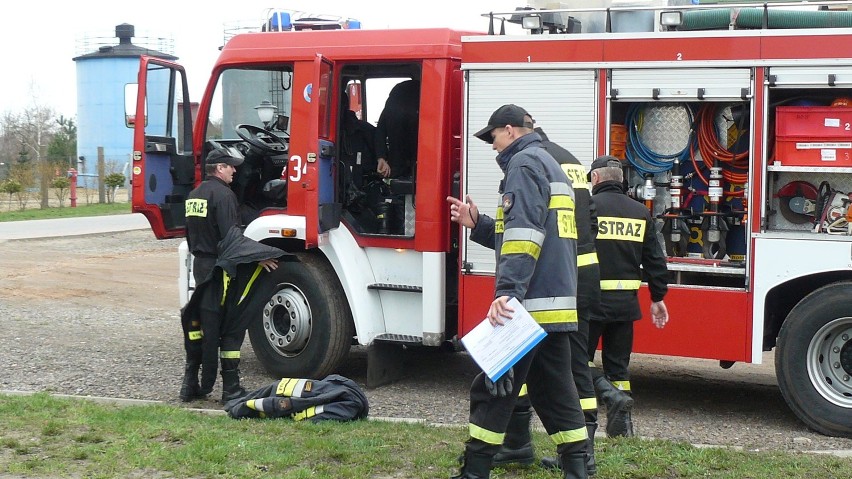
334,398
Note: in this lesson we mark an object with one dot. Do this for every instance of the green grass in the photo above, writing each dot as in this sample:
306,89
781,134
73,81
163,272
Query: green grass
43,436
96,209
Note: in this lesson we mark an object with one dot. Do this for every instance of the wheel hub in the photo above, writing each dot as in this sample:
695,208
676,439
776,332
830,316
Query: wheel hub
830,361
287,320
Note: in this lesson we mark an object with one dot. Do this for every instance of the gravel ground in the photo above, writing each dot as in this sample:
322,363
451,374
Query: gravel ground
98,315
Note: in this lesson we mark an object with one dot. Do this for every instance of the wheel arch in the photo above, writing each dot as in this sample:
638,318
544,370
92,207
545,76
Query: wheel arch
783,297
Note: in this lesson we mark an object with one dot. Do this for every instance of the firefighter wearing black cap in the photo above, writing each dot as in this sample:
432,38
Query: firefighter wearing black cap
627,244
517,447
211,211
534,237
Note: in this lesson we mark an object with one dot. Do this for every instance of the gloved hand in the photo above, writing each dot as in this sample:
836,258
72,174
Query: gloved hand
503,386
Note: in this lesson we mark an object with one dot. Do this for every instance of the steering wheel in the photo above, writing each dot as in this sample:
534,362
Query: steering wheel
262,140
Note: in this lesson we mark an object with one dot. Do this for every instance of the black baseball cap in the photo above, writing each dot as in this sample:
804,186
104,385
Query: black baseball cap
605,161
224,155
505,115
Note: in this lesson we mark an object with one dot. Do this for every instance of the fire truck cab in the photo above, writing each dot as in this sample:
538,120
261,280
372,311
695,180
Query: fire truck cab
733,125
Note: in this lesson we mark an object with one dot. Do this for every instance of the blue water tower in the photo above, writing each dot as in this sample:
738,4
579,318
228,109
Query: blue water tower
103,76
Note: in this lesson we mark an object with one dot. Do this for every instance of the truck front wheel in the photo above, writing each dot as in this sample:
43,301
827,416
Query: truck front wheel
303,329
813,362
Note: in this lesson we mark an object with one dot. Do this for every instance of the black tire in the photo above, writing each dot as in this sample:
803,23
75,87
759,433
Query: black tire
302,326
813,360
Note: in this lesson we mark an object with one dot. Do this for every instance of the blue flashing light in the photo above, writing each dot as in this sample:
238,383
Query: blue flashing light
280,21
353,24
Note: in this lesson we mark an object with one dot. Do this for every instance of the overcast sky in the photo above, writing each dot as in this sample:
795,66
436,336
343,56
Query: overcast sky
40,38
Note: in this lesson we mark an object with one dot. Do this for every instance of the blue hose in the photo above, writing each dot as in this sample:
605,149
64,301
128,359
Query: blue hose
642,158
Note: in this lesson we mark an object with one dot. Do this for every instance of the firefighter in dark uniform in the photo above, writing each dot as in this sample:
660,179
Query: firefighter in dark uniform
534,237
517,447
211,211
627,244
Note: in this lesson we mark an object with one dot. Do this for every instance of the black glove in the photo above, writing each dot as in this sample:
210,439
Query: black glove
503,386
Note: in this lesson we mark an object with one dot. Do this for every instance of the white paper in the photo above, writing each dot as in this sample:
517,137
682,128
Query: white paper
497,348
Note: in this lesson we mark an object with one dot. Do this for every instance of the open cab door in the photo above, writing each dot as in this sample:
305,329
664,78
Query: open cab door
164,169
311,168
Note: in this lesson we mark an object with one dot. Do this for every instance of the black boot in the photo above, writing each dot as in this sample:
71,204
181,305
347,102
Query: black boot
476,465
517,445
591,465
231,388
619,407
573,465
189,388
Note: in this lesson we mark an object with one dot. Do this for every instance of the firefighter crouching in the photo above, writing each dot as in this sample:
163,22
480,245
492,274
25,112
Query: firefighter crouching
534,237
627,244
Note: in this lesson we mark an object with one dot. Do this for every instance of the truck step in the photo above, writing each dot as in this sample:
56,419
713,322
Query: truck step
399,338
396,287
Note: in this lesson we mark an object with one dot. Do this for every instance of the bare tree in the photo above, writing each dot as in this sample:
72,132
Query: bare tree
32,130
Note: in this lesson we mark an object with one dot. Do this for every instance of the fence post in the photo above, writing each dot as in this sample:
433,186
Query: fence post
101,176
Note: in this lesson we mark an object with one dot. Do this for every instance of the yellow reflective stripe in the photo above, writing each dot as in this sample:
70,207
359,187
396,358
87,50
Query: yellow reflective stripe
577,175
574,435
587,259
291,387
195,335
307,413
523,391
561,201
555,316
251,404
486,436
250,283
589,404
196,207
226,280
621,229
520,247
622,385
229,354
620,284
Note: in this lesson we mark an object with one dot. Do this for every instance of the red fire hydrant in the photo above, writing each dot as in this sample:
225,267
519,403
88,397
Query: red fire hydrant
72,175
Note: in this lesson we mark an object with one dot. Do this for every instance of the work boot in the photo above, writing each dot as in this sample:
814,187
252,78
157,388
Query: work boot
231,388
619,407
190,390
591,465
476,466
517,445
573,465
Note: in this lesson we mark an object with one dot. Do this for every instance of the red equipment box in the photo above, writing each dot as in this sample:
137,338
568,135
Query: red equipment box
813,136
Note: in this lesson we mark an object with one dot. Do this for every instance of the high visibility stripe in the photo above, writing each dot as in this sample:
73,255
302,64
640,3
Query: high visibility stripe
196,207
552,317
523,391
486,436
195,335
225,281
291,387
574,435
577,175
250,283
621,229
558,188
622,385
520,247
550,303
589,404
561,201
308,413
559,309
620,284
522,241
587,259
255,404
229,354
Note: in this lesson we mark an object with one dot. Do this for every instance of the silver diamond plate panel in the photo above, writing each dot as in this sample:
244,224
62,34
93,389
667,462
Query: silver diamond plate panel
665,128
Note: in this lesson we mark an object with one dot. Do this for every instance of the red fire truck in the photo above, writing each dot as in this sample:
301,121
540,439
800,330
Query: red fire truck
733,124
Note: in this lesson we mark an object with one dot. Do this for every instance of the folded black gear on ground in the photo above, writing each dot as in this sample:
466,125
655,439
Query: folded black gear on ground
334,398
